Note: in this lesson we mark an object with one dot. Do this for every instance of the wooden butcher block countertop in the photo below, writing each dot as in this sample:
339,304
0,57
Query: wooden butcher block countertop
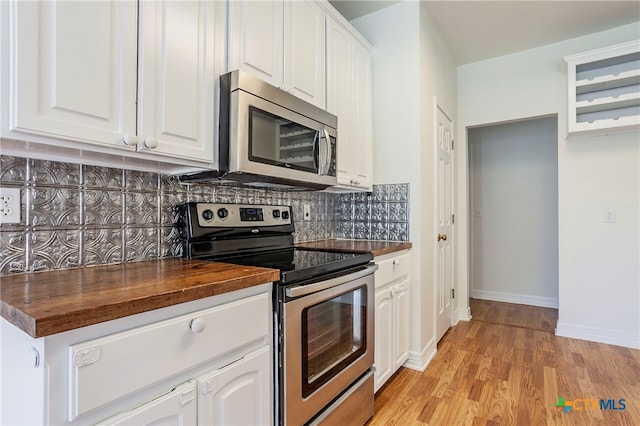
377,248
45,303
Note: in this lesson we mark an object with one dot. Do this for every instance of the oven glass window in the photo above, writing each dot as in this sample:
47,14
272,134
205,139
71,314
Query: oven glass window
334,335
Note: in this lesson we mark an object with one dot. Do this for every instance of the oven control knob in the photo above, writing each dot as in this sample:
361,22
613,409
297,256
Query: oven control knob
207,214
276,214
285,214
223,213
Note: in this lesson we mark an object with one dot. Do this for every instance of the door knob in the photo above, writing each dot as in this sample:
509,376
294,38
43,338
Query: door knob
442,237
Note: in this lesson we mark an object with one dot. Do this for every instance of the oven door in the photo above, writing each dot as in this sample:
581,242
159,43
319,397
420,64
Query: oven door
328,342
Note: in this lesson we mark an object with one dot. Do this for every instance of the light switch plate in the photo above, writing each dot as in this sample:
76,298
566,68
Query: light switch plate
609,216
306,215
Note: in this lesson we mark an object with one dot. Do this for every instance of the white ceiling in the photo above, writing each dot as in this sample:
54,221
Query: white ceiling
477,30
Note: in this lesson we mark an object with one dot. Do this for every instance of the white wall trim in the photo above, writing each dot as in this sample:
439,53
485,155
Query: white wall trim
522,299
420,361
461,314
602,335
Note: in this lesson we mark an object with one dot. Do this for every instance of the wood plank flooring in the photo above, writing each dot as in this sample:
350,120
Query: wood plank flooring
507,367
532,317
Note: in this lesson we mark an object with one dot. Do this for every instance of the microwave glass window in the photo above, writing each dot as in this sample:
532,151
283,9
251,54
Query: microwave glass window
277,141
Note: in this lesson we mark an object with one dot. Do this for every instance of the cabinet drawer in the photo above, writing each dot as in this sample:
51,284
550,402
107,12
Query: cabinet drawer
105,369
392,268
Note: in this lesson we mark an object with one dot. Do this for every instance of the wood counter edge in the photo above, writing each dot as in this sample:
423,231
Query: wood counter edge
331,244
57,323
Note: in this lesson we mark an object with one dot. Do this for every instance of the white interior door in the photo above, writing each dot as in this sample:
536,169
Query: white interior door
445,218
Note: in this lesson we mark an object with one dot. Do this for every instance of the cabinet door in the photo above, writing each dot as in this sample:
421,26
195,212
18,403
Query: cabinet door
362,156
401,324
73,69
256,39
239,393
176,408
384,337
176,78
340,95
304,58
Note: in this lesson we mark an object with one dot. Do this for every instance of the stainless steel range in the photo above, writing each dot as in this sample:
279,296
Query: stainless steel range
323,309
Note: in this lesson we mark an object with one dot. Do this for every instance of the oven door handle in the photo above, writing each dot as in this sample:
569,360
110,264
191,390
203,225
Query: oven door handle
304,290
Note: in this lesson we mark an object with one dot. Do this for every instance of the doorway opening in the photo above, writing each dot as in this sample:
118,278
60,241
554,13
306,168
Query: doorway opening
513,212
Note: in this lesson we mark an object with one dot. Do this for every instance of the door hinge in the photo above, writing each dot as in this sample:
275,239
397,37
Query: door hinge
453,293
451,144
453,218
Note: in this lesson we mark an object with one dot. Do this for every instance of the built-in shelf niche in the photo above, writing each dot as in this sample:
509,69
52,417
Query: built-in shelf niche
604,90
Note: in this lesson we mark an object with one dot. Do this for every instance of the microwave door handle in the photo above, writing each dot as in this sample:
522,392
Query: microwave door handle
316,150
327,157
329,149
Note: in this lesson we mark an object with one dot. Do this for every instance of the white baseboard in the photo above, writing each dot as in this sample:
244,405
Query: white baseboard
420,360
522,299
602,335
461,314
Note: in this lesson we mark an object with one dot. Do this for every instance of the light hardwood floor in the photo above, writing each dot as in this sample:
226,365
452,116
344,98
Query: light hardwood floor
507,367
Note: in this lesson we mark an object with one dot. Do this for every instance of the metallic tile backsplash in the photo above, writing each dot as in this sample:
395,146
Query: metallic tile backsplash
78,215
379,215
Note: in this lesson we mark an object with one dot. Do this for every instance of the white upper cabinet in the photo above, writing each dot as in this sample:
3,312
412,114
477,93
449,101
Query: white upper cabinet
73,70
349,98
89,75
304,54
176,78
604,90
363,107
283,43
256,39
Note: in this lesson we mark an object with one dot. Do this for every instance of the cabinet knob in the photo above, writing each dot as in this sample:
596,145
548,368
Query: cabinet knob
197,325
396,262
130,140
150,143
442,237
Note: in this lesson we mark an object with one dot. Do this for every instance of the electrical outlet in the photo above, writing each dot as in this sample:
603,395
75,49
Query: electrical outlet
9,205
306,212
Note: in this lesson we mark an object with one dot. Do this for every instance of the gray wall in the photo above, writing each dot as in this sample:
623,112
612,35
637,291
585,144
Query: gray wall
78,215
513,171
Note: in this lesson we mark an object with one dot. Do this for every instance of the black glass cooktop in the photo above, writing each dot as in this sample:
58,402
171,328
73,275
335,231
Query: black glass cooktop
296,264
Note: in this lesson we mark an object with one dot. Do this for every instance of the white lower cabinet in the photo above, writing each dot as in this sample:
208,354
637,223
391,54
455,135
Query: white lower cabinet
392,281
176,408
203,362
237,394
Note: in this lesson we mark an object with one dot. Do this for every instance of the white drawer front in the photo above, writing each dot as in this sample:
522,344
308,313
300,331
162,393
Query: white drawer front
392,268
108,368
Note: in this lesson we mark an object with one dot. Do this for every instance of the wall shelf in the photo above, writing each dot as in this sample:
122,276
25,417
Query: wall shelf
604,90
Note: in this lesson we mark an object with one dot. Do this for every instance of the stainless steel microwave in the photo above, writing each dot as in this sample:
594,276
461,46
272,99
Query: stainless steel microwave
270,138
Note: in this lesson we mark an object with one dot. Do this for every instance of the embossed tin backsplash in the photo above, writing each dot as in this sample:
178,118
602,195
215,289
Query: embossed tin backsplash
79,215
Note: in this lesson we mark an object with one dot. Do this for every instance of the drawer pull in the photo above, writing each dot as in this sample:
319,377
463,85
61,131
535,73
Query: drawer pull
197,325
